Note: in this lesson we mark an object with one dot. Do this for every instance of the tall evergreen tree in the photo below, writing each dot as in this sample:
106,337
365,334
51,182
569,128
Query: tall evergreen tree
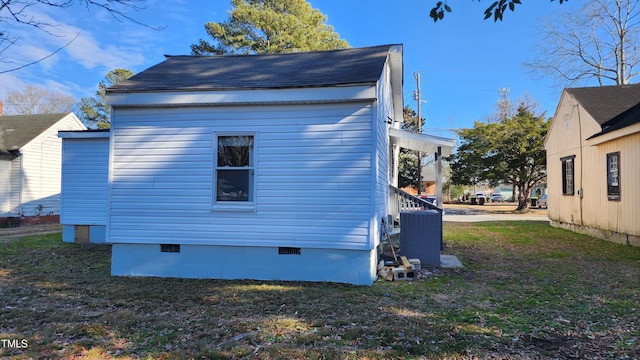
408,159
509,151
269,26
93,110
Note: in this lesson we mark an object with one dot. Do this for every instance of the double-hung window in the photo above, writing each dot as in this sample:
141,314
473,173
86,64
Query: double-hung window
613,176
234,171
568,175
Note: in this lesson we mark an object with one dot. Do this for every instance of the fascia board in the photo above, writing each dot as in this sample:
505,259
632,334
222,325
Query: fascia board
244,97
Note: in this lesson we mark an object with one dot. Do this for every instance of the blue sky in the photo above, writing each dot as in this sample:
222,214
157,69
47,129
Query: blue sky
463,60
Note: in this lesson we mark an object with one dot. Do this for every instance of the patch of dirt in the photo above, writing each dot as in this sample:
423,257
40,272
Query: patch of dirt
13,233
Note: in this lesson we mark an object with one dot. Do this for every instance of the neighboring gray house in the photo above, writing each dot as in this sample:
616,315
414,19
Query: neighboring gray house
30,152
275,166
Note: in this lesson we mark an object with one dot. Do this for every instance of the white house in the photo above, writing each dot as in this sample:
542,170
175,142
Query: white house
30,152
257,166
85,187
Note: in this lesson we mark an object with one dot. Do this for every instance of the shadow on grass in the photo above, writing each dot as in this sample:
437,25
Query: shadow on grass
529,291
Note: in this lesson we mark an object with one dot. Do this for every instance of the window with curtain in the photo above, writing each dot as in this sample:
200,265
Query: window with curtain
235,169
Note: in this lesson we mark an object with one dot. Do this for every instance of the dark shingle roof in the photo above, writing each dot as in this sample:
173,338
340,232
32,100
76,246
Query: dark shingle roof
627,118
604,103
17,130
268,71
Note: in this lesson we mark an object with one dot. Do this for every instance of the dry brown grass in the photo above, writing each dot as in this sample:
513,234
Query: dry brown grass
528,291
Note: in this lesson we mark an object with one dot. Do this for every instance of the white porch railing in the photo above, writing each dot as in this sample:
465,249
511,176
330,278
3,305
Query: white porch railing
403,201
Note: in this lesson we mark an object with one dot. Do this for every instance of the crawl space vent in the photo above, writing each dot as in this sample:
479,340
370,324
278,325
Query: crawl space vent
169,248
289,251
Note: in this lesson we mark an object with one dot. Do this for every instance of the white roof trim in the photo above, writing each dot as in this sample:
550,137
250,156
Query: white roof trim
397,80
234,97
421,142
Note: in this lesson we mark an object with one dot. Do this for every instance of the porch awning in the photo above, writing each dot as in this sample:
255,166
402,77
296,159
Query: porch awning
421,142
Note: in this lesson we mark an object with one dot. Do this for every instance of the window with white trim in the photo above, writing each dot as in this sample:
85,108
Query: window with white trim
613,176
568,175
234,169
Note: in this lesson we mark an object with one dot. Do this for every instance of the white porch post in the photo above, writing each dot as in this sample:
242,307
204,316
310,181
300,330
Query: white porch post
396,164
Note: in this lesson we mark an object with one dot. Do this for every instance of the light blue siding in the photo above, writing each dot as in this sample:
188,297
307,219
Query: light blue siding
384,111
314,177
85,190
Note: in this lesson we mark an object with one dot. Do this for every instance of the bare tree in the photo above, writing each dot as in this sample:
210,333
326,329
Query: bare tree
38,100
599,42
14,13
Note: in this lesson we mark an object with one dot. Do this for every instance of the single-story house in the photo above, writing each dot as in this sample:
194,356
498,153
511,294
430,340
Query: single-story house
593,162
30,158
272,167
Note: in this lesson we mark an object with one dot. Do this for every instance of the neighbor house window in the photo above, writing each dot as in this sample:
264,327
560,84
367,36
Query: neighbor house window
234,170
567,175
613,176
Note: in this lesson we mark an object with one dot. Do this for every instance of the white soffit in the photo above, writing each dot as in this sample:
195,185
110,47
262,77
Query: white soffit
421,142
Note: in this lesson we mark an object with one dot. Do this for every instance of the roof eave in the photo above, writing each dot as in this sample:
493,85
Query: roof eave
397,79
360,92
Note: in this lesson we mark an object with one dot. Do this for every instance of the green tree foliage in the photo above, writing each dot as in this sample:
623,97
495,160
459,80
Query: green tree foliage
509,151
269,26
93,110
408,159
496,10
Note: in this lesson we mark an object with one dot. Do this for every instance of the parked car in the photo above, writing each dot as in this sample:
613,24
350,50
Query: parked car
496,197
430,198
542,202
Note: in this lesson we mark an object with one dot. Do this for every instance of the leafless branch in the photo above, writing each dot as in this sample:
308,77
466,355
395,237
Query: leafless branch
14,12
597,43
43,58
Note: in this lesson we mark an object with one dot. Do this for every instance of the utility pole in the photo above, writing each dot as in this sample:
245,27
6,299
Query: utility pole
417,98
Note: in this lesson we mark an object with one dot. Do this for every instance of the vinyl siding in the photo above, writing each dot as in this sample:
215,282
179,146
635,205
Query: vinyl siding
85,169
5,186
313,176
384,112
593,210
600,212
16,186
41,169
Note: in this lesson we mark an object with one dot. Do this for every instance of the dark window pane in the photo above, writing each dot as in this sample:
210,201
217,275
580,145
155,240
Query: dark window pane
234,185
613,176
235,151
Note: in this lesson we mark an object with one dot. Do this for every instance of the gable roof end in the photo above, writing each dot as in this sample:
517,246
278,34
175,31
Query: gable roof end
18,130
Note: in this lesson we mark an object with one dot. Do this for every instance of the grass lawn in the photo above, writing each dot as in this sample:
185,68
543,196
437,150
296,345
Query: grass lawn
528,291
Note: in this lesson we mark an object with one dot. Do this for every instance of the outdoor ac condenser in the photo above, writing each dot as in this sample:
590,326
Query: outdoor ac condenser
421,235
